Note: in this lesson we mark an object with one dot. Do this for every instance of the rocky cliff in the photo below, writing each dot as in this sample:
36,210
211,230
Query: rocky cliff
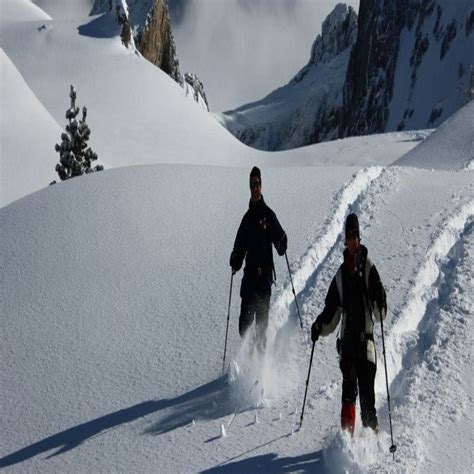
409,66
404,65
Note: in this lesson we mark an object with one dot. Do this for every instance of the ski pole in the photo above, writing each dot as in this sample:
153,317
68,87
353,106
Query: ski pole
393,447
294,293
307,383
228,317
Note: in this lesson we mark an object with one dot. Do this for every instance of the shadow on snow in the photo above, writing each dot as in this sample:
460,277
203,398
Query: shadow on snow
311,462
209,401
100,27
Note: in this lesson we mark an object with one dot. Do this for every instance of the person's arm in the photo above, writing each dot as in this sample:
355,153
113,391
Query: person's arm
329,318
377,295
240,247
279,238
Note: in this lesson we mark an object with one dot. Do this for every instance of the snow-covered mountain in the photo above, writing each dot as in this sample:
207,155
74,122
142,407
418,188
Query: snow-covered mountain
408,69
115,285
309,108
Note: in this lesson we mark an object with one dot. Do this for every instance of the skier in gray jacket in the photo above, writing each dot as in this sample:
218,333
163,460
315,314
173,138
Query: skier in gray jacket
356,296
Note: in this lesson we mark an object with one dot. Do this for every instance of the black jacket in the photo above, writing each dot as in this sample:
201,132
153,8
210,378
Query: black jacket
257,232
356,295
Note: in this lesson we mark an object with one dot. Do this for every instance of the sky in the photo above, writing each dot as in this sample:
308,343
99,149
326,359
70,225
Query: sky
244,49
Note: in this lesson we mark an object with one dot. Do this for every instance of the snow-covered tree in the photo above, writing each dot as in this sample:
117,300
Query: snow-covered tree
75,158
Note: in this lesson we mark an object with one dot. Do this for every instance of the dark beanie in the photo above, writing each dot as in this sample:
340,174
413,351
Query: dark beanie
352,226
256,172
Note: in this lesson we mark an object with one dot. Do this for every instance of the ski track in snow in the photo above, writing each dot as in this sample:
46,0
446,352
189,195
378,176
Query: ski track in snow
318,265
424,288
422,371
419,316
432,387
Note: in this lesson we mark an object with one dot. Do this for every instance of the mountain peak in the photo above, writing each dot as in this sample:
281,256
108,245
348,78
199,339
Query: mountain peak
338,32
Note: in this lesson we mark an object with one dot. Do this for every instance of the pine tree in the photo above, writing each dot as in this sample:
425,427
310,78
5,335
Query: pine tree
75,158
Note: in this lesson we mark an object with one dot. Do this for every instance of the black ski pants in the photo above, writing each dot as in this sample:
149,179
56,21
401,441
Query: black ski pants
360,374
255,306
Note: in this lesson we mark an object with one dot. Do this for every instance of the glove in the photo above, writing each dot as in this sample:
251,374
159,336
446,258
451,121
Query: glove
282,245
315,331
234,263
381,300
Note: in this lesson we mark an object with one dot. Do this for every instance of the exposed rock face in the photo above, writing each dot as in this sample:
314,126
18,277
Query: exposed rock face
155,39
146,25
149,22
408,69
369,80
390,32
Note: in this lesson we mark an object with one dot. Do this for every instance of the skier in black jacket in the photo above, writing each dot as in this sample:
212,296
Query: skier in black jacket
356,294
258,230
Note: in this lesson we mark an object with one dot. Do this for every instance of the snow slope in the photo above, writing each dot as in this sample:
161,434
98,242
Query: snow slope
27,135
127,121
115,342
451,146
66,10
114,300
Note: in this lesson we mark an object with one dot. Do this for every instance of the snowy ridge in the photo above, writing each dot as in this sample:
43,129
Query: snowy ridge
23,11
311,261
37,167
450,146
66,9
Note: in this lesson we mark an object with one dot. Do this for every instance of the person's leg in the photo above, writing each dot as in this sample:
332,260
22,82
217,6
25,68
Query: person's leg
366,378
261,319
247,313
349,395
